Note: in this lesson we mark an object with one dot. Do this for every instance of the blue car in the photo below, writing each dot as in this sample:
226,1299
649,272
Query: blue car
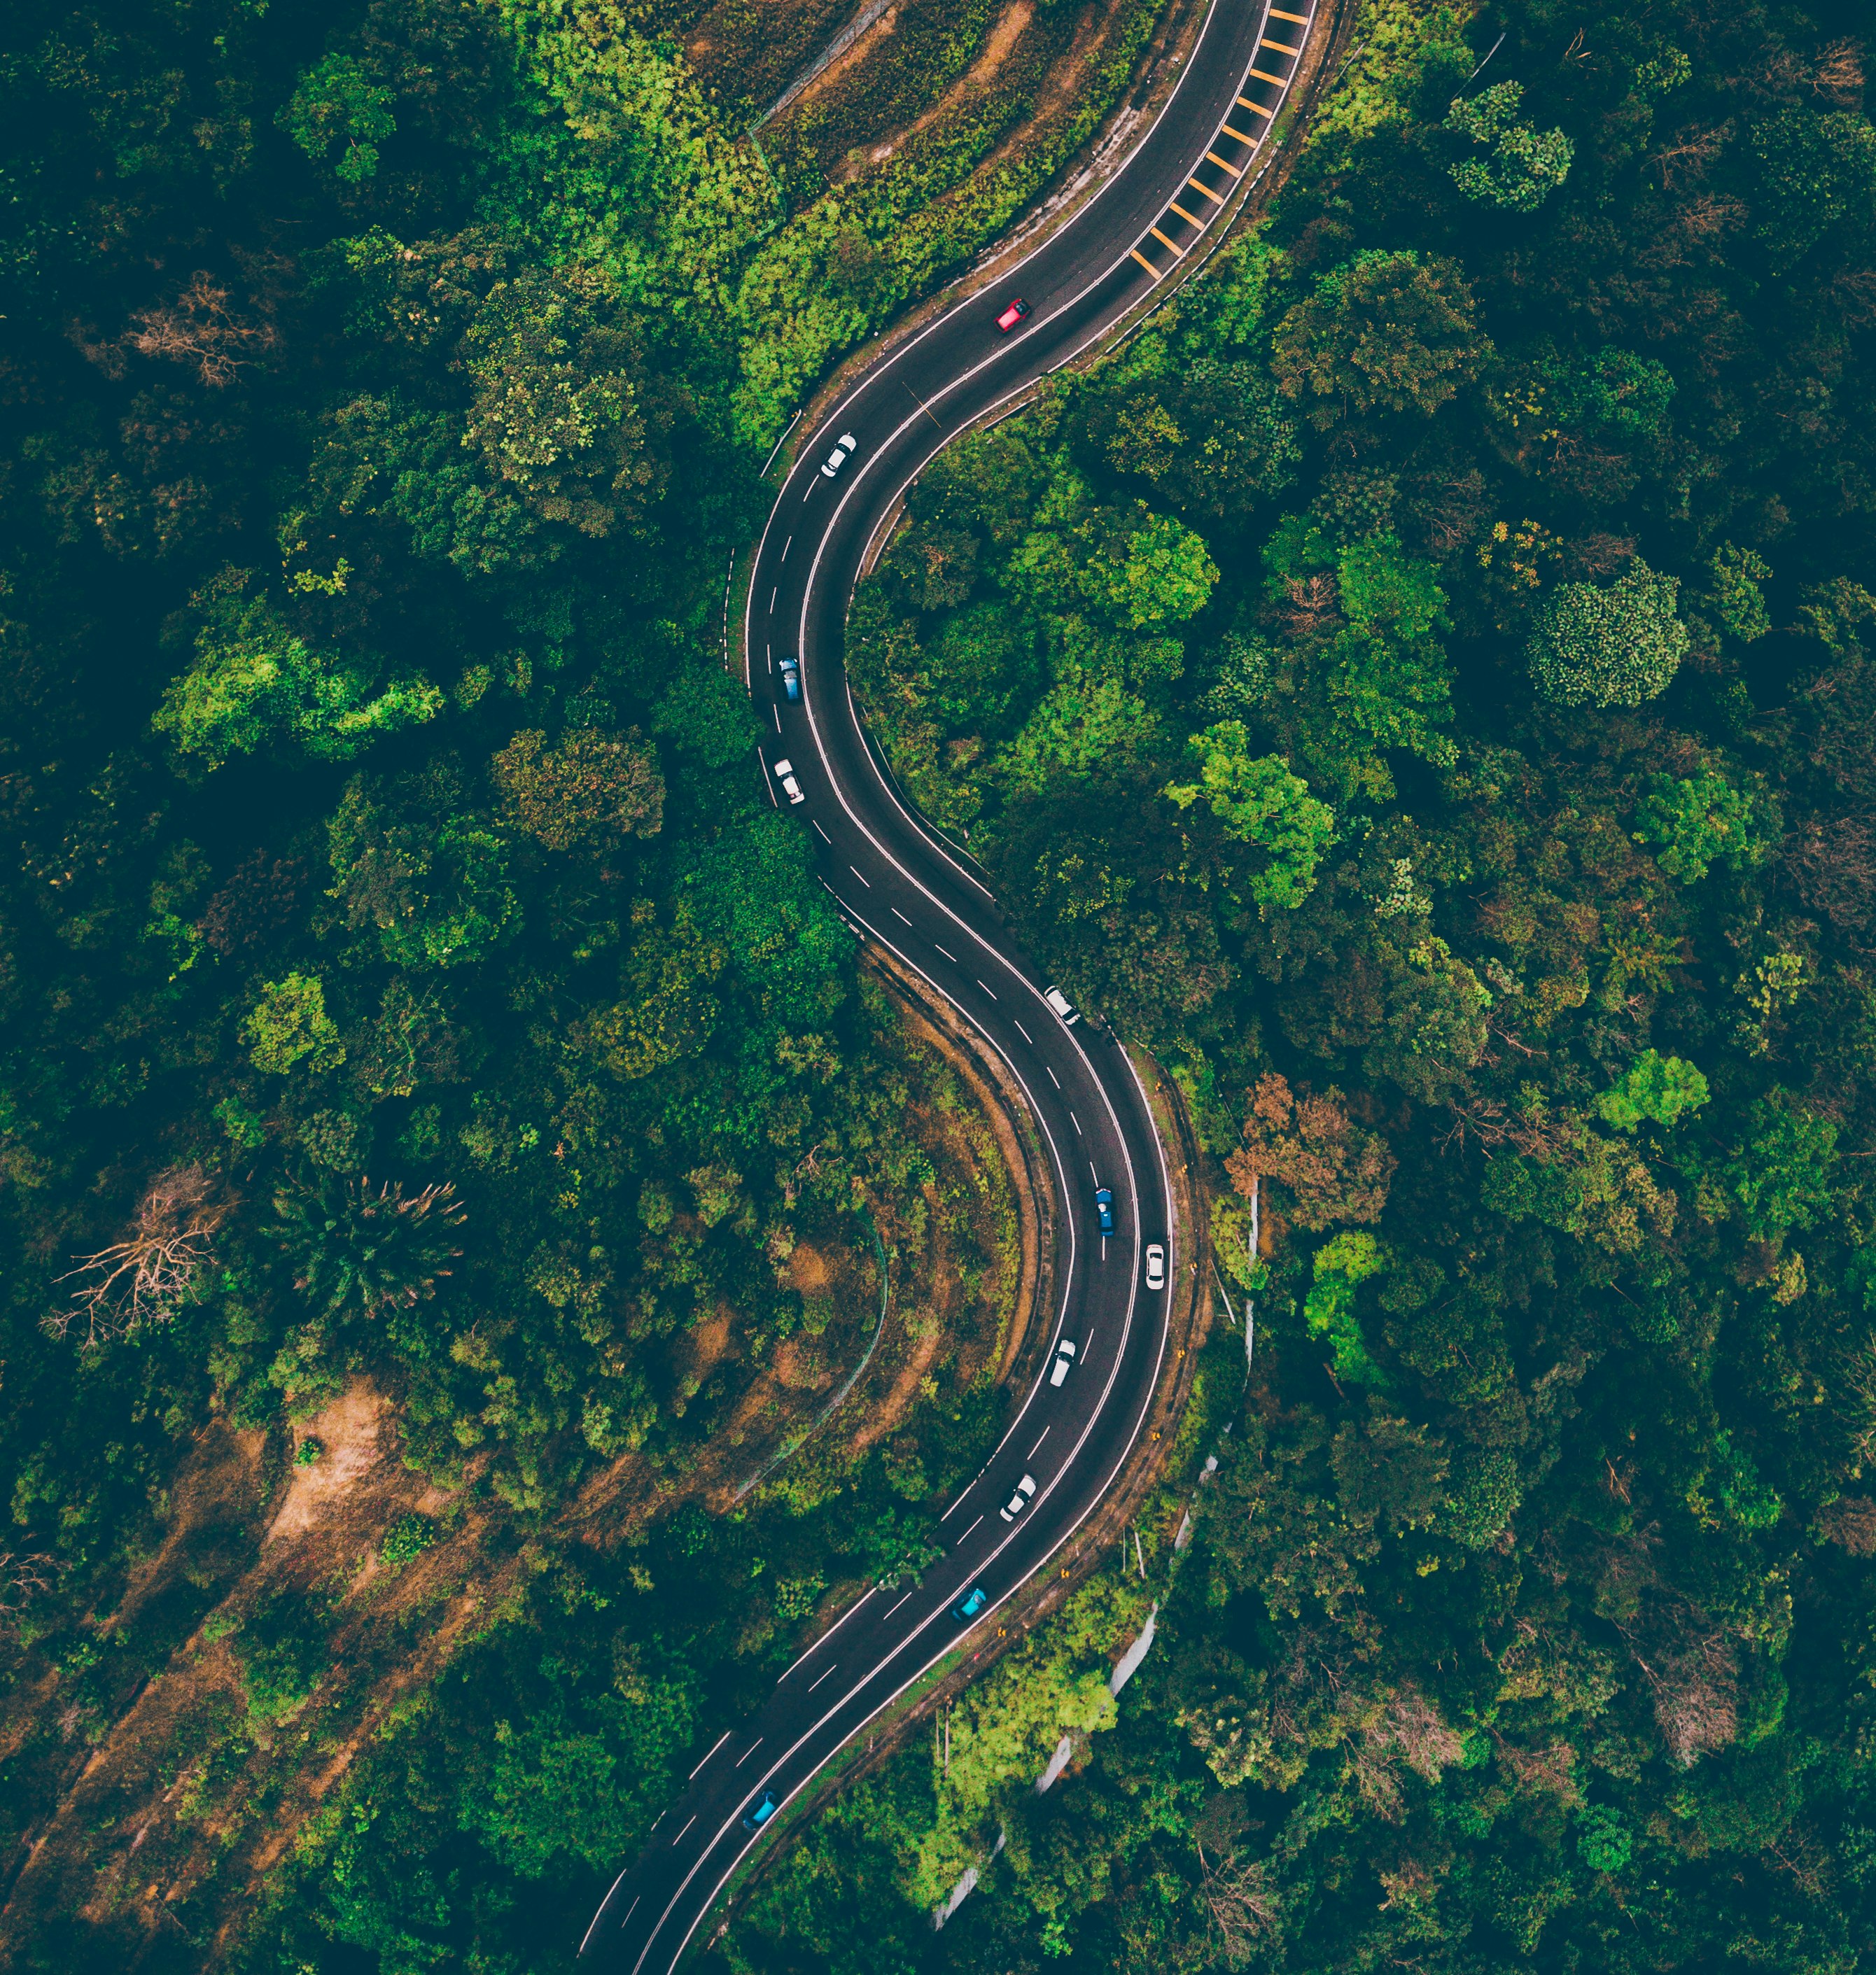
1104,1209
760,1811
791,679
972,1601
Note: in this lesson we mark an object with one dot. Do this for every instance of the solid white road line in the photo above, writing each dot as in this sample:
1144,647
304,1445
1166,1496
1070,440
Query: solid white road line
720,1741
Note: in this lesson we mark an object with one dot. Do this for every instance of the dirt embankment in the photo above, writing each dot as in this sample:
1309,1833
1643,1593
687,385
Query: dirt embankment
178,1792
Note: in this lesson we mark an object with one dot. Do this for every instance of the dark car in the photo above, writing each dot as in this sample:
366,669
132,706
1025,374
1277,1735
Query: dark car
791,679
760,1811
1018,309
972,1601
1104,1209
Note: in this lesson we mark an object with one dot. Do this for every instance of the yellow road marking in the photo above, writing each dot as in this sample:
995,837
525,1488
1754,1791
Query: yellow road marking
1164,242
1144,262
1191,219
1282,48
1217,198
1278,14
1240,134
1264,75
1213,158
1255,108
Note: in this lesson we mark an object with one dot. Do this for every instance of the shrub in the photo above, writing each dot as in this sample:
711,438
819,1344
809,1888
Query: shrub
408,1537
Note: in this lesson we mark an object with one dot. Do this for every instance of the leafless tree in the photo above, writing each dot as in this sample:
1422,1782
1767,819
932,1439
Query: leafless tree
1695,1683
145,1278
1837,75
201,326
1406,1731
1310,602
1690,153
1850,1520
1243,1907
23,1576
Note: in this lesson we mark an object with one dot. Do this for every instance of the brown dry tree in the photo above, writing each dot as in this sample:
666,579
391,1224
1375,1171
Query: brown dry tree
145,1277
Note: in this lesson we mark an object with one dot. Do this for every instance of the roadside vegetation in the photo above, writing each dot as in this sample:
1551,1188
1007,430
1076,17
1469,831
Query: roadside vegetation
1421,684
449,1149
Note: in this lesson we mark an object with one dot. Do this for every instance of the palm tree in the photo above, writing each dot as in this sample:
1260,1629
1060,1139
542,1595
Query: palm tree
358,1253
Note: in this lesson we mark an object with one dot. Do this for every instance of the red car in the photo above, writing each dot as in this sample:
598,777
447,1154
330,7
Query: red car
1008,320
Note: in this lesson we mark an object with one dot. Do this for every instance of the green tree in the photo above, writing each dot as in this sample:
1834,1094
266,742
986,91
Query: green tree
256,686
591,793
435,889
1655,1087
1613,647
1737,574
336,103
1341,1265
1780,1173
1260,802
560,410
1698,820
289,1025
1386,332
358,1253
1522,167
1817,178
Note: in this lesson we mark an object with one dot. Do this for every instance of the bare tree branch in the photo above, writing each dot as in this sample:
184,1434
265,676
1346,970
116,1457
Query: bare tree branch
146,1278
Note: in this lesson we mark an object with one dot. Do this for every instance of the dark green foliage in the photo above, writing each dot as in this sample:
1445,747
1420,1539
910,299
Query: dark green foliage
358,1252
1523,1623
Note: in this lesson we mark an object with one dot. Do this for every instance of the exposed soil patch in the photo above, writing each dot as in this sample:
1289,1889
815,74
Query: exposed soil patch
347,1430
1002,38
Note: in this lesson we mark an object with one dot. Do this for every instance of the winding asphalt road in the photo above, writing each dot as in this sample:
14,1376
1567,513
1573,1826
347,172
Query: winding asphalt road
897,884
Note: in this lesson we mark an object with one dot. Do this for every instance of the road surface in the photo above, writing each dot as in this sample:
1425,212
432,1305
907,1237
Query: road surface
897,884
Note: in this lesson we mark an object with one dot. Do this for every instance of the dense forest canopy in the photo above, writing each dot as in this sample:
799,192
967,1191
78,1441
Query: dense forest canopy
1422,687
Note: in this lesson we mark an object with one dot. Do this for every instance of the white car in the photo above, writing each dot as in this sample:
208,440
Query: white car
1019,1500
1156,1265
1065,1009
1064,1362
844,447
785,774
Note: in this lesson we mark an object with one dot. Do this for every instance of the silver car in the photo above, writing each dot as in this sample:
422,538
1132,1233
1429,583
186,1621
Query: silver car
785,774
1156,1265
844,447
1064,1362
1019,1500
